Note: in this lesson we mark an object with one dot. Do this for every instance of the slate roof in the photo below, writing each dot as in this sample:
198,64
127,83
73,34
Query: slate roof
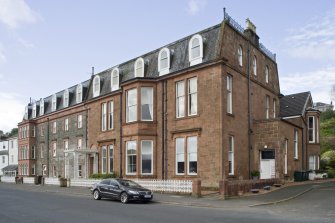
294,104
10,168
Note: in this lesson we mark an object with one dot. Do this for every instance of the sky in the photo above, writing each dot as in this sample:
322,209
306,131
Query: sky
47,46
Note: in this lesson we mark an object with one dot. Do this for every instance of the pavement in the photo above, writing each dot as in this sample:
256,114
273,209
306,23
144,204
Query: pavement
287,192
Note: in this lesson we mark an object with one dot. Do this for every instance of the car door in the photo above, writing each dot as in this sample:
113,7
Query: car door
104,187
115,188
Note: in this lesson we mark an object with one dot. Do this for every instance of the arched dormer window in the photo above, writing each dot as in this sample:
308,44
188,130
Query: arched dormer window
66,98
115,77
96,86
254,65
54,103
79,93
195,50
164,61
267,74
240,55
139,67
41,106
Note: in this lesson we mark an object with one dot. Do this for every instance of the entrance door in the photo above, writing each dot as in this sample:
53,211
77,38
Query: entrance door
268,165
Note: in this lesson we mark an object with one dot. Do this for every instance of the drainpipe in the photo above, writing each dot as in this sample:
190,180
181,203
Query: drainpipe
121,133
163,135
303,159
165,131
48,148
249,112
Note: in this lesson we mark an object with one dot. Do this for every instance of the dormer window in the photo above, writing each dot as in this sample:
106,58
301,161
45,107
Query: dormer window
41,106
195,50
96,86
139,67
34,110
240,56
79,93
267,74
115,79
54,103
164,61
254,65
66,98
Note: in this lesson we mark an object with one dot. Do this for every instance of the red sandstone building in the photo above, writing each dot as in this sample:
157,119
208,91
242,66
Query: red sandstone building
207,107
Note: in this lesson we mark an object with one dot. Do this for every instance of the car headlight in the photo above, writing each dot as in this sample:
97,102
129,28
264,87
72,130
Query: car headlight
133,192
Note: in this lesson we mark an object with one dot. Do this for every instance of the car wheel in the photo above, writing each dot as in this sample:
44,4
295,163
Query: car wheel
96,195
124,198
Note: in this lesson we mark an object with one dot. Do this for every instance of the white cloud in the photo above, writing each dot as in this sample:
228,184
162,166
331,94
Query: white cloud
194,6
319,82
25,43
11,111
2,55
15,12
315,40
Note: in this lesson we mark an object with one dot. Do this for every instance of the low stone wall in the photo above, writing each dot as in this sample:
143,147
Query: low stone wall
8,179
239,187
28,180
82,182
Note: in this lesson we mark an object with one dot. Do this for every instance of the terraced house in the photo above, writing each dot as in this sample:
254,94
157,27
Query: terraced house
207,107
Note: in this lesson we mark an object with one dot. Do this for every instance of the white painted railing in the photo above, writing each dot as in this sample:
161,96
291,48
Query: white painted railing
83,182
28,180
8,179
183,186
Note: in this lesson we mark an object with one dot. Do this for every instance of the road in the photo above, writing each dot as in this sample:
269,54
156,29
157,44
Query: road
30,206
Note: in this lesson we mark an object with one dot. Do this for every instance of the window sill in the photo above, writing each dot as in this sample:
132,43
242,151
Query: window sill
231,176
187,117
231,115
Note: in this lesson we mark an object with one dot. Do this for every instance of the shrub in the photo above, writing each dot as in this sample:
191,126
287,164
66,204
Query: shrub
331,173
103,175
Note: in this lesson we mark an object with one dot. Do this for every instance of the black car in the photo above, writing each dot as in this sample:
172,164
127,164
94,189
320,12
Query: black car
121,189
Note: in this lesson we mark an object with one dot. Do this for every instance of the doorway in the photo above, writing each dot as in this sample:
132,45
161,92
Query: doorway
267,164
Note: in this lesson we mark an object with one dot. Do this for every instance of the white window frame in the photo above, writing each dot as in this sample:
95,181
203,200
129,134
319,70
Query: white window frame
127,155
131,105
311,128
34,111
137,72
110,157
79,143
164,70
231,155
229,94
54,127
189,153
192,59
66,124
41,106
96,86
190,94
104,116
66,98
54,102
313,162
66,144
254,65
180,152
180,100
54,149
296,145
267,106
104,159
79,93
110,118
266,74
240,55
151,158
80,121
151,100
115,73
